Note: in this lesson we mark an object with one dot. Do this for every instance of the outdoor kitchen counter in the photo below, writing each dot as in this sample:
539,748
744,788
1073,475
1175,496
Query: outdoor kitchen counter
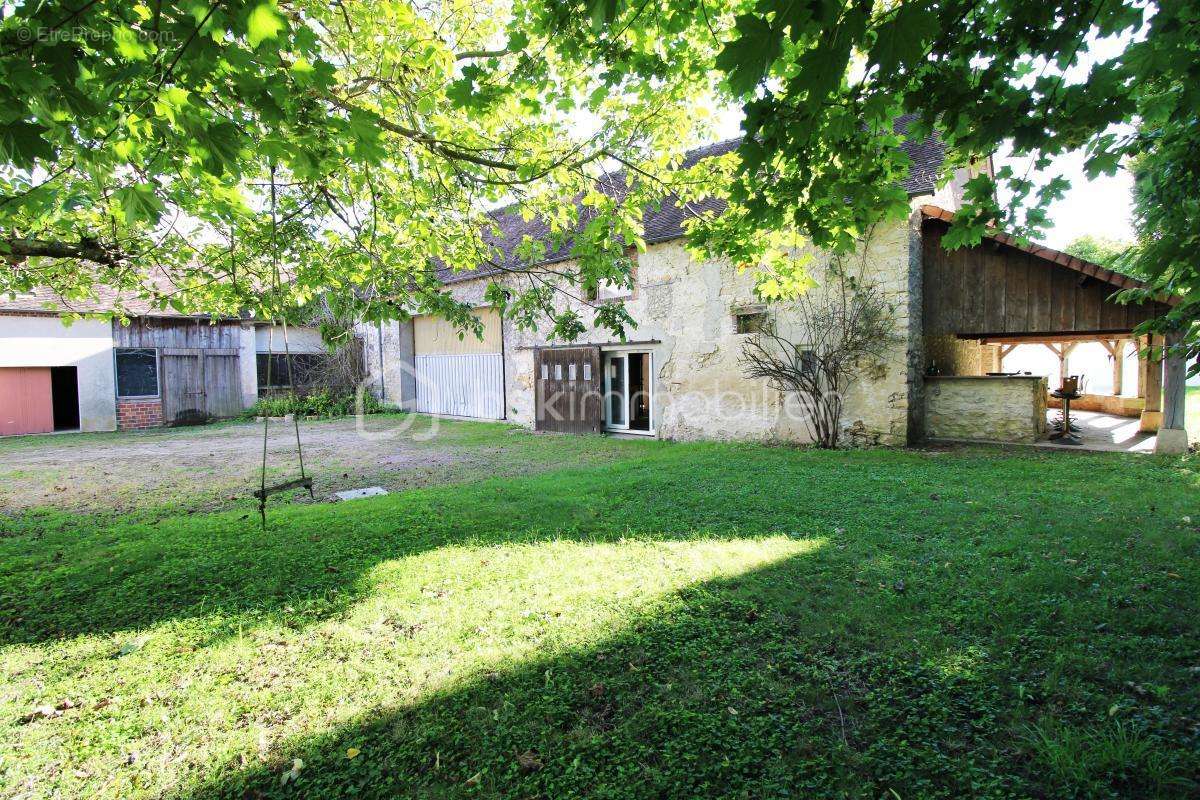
985,408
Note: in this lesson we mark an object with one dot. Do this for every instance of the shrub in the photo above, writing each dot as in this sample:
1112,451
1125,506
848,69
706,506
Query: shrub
319,403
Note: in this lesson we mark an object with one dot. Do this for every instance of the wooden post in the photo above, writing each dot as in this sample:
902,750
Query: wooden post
1116,350
1004,350
1150,384
1172,436
1063,351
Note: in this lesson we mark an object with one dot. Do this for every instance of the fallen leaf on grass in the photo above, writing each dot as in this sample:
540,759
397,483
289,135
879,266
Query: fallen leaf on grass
529,761
40,712
293,773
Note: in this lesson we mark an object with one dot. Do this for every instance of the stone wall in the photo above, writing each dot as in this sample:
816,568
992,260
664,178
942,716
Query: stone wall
684,311
388,360
949,355
975,408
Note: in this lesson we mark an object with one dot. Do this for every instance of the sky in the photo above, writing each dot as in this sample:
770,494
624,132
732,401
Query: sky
1100,208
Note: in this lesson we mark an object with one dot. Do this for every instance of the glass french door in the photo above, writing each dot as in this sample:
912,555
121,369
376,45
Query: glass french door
616,391
628,384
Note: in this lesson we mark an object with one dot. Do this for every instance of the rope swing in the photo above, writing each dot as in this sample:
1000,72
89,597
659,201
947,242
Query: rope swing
304,481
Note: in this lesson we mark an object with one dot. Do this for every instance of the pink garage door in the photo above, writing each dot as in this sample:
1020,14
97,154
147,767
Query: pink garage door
26,402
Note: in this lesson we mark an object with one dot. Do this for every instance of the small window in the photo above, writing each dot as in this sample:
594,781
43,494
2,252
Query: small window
137,372
808,362
571,372
558,372
750,321
587,371
545,371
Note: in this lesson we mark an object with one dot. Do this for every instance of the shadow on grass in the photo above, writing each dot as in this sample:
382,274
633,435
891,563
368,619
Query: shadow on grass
753,686
64,577
947,612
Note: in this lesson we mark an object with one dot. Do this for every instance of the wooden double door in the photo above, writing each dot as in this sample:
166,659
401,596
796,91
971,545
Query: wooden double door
568,390
199,385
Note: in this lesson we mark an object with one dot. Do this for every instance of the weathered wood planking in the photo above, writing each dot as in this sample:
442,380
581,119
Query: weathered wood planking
569,398
996,289
192,334
199,372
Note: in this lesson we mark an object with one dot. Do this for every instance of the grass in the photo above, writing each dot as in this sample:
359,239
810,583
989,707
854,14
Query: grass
673,620
1191,414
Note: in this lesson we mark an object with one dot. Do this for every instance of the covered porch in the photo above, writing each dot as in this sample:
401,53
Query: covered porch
981,304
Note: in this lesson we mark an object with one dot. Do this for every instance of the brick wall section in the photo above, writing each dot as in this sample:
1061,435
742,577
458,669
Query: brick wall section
138,414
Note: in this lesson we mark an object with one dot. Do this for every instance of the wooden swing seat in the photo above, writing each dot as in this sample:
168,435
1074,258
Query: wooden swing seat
298,483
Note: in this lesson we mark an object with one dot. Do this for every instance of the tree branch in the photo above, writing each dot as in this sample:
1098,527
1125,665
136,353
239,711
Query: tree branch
468,54
85,250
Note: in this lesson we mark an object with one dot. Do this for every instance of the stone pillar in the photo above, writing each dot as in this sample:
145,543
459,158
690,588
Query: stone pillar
1172,436
1150,384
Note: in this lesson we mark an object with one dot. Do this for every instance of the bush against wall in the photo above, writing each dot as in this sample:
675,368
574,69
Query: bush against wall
817,345
330,377
316,403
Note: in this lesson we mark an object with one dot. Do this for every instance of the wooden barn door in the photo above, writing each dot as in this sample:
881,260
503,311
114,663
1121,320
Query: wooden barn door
222,385
182,389
200,384
568,397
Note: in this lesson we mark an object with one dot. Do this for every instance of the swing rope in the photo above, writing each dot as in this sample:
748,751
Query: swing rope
303,481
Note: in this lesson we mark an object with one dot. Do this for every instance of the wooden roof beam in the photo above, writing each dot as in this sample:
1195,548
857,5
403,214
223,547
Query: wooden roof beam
1047,337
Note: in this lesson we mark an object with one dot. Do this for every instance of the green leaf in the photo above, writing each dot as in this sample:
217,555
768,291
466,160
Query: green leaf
747,58
264,22
139,203
22,144
128,44
222,143
901,40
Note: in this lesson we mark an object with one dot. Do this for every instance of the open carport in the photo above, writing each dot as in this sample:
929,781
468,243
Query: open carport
980,302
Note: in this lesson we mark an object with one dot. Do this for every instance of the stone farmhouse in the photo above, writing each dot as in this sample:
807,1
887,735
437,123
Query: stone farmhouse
677,376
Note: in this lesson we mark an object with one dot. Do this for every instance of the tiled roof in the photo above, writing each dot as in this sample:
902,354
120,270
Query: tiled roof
666,223
43,300
1041,251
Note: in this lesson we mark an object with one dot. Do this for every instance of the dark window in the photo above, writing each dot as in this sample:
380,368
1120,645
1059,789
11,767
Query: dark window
308,367
751,321
808,362
137,372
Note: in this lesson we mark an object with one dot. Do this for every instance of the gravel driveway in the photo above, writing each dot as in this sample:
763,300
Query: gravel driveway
218,465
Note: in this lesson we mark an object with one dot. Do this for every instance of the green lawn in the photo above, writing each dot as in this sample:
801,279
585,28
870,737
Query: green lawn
1192,413
682,620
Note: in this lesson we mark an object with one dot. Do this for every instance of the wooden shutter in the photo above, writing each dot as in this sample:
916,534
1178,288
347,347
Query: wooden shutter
568,394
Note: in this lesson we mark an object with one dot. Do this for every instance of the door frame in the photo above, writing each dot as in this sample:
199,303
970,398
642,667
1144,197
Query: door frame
623,352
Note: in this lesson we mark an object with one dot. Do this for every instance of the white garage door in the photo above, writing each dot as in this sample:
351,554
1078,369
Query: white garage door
463,385
462,377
